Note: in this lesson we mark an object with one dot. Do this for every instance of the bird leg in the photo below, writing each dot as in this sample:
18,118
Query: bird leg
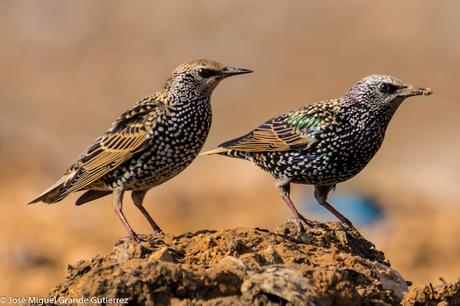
321,193
117,204
138,199
284,188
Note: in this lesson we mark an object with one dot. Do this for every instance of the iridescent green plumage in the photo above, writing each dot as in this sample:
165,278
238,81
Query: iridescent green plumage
287,132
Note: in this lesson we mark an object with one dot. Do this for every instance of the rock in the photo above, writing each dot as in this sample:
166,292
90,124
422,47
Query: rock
286,284
292,265
440,295
164,254
391,280
231,263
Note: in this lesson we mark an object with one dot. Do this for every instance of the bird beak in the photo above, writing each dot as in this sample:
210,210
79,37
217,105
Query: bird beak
229,71
410,91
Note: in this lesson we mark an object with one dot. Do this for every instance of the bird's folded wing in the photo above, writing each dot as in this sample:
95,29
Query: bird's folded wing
279,134
127,136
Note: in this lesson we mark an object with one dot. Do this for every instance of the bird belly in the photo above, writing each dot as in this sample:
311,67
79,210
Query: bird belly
321,167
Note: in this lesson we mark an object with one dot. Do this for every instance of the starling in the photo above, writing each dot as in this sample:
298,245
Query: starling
148,144
324,143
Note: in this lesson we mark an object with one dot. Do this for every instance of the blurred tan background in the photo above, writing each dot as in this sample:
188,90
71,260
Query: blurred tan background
68,69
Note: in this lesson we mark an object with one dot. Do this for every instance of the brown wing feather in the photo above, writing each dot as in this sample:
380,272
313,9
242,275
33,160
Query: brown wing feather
274,135
291,131
127,136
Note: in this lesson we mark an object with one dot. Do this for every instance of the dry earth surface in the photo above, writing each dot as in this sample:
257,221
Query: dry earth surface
291,265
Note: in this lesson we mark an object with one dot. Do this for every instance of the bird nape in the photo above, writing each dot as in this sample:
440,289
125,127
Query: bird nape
148,144
324,143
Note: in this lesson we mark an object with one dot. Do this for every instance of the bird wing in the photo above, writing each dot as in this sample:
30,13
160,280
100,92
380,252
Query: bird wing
127,136
291,131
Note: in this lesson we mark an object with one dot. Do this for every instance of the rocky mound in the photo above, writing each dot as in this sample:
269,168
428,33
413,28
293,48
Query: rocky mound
441,295
324,265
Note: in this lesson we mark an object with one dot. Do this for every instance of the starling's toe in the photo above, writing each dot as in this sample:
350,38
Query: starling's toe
130,238
302,221
136,238
305,221
155,240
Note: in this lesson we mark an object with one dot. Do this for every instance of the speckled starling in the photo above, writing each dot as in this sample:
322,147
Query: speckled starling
324,143
148,144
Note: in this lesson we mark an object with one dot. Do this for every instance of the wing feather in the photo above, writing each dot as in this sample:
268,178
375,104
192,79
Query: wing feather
291,131
127,136
274,135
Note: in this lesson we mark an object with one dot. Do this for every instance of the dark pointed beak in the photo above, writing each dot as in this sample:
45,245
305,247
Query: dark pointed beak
410,91
229,71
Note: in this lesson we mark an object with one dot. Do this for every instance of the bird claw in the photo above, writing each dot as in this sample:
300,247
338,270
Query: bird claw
155,238
305,221
350,227
346,223
302,222
132,237
152,239
137,239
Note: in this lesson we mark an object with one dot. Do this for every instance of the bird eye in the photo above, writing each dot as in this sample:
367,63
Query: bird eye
207,73
388,88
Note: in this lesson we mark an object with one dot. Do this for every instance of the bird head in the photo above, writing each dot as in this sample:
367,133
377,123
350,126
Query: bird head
201,76
382,91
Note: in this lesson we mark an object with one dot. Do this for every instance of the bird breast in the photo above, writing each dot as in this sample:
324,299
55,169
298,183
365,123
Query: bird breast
176,139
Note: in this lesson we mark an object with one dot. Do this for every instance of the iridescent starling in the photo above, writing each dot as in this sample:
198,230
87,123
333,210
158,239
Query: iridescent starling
324,143
148,144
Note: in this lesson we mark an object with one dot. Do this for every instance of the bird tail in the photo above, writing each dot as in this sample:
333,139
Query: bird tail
91,195
55,192
219,150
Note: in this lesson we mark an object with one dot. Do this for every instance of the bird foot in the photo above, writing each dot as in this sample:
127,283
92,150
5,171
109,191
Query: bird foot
305,221
348,226
137,238
155,237
302,222
132,237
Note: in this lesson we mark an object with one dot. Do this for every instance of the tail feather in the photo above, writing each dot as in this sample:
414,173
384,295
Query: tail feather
55,192
91,195
218,150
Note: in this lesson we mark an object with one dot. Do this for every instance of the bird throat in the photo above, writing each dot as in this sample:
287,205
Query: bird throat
368,116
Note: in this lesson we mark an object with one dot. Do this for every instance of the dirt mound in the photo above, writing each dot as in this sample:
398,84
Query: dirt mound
442,295
323,265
